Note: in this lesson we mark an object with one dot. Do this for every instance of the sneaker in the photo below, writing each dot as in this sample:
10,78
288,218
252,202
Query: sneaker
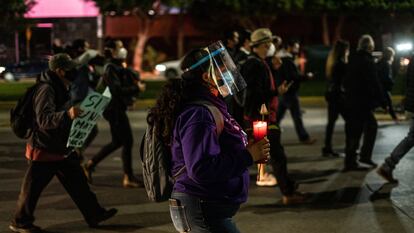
268,180
387,175
368,162
131,181
309,141
295,198
25,229
107,214
329,153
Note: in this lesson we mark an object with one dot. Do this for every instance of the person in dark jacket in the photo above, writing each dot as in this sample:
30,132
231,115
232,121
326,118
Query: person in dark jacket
336,68
290,73
262,89
122,91
385,75
387,168
235,103
214,160
231,41
47,153
362,95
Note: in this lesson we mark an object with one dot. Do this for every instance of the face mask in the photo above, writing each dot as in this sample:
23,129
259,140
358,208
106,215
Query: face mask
271,51
122,53
225,82
70,75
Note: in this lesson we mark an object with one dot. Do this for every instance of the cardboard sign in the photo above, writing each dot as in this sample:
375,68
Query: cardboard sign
92,106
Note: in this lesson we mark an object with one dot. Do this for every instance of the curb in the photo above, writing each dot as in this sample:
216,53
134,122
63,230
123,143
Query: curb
144,104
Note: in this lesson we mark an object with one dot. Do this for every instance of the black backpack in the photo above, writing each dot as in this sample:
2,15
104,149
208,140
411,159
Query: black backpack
156,160
130,78
22,115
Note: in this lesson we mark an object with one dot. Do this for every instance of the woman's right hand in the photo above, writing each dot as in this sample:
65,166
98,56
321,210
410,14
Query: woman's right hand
259,150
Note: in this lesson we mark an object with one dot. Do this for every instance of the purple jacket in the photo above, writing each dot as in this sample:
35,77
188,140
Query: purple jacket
216,168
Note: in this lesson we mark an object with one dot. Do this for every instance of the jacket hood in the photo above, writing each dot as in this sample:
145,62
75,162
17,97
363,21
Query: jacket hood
50,77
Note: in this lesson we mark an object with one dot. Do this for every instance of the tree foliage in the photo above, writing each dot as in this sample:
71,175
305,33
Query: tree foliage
12,13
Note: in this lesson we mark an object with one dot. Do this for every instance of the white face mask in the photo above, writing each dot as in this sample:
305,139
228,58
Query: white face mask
122,53
271,51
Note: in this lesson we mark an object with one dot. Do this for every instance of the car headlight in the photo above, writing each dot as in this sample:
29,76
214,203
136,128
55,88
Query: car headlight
160,67
2,69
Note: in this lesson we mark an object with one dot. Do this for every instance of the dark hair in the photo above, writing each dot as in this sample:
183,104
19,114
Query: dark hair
110,43
97,60
229,34
176,93
78,44
166,109
243,36
292,42
337,53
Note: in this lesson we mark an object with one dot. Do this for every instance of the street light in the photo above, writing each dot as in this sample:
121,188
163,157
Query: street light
404,47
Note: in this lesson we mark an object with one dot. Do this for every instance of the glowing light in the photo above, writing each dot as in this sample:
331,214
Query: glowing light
44,25
404,47
2,69
63,9
404,61
160,67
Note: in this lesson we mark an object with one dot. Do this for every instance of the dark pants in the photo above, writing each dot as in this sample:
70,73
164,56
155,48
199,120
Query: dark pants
70,175
121,133
90,138
205,216
389,105
291,102
358,123
334,110
401,150
278,162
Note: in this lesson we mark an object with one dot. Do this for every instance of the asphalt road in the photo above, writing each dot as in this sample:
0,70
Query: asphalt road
341,202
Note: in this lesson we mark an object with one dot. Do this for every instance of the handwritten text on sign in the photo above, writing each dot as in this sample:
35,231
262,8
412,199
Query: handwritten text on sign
92,107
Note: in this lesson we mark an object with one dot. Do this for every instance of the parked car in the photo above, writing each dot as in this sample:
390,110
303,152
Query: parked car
169,69
24,69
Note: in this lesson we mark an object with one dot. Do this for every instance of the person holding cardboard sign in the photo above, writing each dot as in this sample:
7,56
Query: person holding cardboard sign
47,153
123,90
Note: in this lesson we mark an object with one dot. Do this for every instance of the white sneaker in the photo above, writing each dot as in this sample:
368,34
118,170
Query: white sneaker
268,180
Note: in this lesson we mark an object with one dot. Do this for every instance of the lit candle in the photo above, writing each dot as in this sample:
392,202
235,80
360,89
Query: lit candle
259,130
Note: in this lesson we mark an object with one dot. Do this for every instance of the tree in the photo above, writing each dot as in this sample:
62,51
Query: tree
145,11
12,14
340,10
11,22
245,13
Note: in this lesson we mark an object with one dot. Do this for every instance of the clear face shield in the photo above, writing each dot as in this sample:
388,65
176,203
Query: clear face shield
222,70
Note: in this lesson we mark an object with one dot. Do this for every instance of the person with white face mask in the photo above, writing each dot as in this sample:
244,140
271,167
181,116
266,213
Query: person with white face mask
123,90
262,89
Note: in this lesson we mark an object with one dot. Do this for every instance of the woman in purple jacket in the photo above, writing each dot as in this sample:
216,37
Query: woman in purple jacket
211,160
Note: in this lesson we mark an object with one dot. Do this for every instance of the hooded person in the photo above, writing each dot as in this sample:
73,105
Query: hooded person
47,153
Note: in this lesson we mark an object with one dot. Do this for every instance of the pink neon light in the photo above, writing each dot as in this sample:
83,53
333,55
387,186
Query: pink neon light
44,25
63,9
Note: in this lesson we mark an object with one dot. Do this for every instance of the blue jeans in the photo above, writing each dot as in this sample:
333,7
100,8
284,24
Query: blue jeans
402,149
205,216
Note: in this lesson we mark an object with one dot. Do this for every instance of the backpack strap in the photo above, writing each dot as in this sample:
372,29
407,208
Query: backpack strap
217,115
